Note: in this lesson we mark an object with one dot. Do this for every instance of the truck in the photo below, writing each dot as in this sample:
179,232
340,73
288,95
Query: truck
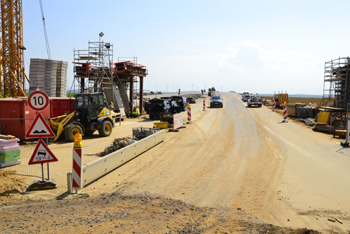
254,100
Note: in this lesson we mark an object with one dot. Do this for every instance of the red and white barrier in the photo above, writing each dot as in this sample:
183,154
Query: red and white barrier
204,104
177,121
189,116
77,172
273,105
285,113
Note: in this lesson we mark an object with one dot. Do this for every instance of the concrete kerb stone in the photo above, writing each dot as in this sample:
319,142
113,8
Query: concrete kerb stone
108,163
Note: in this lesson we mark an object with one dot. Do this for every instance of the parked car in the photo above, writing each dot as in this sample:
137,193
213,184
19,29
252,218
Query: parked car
216,101
245,97
146,104
179,103
157,106
166,98
191,100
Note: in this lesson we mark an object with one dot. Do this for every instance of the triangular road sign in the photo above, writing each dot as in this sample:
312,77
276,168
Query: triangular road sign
42,154
39,128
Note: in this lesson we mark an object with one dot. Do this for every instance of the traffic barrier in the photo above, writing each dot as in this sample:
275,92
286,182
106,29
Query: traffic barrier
189,116
203,104
77,180
273,104
104,165
285,113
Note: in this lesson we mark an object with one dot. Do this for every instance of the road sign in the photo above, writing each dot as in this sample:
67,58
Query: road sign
39,128
38,100
42,154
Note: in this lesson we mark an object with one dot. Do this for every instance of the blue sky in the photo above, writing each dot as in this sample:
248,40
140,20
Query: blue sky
255,46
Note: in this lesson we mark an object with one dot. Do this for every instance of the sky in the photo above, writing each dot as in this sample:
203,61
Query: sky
255,46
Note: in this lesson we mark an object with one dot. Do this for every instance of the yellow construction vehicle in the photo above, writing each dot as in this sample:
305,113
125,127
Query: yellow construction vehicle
211,92
90,113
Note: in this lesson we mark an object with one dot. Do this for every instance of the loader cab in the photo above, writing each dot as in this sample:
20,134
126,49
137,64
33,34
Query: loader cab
89,105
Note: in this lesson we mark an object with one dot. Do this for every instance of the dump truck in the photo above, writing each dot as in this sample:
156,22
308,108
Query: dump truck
90,113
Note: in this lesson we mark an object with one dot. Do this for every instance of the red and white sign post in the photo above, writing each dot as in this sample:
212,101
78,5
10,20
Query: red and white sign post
273,104
77,172
203,104
189,115
39,101
285,113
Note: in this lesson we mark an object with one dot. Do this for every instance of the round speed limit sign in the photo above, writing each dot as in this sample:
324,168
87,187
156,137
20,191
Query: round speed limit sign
38,100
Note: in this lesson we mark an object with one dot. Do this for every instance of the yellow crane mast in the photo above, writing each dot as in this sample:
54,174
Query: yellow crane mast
12,75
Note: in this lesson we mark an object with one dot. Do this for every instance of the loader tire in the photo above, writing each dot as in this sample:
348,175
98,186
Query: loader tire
106,129
71,130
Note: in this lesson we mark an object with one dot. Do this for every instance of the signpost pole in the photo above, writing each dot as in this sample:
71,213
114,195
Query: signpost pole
48,165
48,171
42,171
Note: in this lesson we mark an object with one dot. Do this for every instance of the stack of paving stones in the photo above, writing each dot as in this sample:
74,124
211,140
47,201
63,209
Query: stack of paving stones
49,76
9,152
61,79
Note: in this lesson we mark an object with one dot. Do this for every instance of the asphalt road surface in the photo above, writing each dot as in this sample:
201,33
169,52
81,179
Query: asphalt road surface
235,157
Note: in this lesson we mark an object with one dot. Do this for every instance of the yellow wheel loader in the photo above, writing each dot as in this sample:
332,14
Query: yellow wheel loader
90,113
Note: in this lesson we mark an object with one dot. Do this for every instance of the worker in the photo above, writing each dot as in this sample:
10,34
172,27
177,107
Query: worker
111,106
135,112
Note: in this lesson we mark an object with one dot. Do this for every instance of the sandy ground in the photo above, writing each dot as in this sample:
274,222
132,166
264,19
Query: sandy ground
239,168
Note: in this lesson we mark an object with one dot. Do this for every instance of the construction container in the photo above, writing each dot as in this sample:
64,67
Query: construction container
161,125
305,112
60,105
292,108
16,116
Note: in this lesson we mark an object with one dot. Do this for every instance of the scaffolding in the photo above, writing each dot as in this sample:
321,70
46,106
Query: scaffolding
91,66
336,85
94,69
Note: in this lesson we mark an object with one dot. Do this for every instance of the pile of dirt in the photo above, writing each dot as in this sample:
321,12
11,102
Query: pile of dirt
117,144
143,213
11,186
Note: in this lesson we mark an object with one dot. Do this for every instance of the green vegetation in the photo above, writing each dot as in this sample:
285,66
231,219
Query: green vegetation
2,96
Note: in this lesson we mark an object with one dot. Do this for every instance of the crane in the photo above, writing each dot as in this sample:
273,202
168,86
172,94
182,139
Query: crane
12,74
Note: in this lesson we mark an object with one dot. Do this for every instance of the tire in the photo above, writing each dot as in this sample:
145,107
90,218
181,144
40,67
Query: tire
89,132
249,105
106,129
71,130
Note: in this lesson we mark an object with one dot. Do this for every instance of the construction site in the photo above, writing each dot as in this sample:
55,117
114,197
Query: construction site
119,159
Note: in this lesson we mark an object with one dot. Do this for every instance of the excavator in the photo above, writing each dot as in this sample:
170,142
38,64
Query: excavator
90,113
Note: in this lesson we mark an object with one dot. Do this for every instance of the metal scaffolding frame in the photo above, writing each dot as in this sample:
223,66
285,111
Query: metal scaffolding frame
336,84
91,67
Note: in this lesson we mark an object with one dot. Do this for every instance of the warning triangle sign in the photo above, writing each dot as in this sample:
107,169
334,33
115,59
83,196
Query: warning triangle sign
39,128
42,154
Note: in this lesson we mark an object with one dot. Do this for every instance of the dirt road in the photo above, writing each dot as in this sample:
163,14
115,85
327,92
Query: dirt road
242,159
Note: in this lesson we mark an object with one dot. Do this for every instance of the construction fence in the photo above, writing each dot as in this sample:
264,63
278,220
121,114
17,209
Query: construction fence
17,127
